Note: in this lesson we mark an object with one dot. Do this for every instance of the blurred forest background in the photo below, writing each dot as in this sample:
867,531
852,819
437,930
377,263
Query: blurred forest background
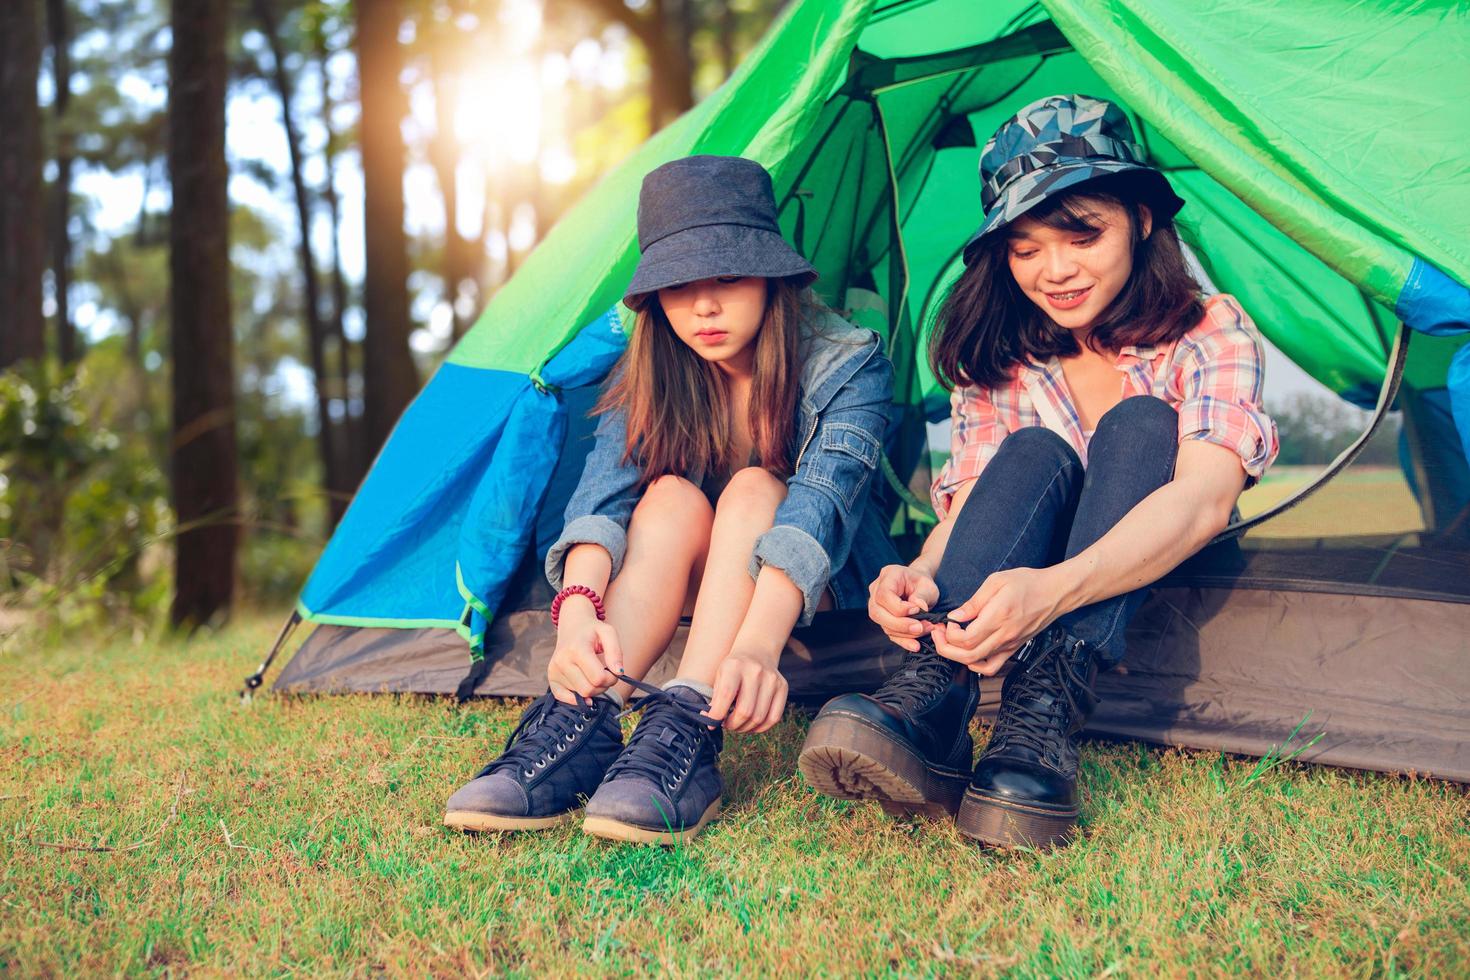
236,236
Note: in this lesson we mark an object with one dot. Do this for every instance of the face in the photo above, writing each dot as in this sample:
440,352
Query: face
718,318
1073,276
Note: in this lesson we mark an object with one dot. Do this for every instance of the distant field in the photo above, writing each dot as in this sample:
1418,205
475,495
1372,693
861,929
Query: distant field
1374,500
151,826
1364,500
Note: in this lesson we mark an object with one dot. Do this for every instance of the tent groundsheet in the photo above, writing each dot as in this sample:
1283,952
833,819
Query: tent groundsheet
1206,667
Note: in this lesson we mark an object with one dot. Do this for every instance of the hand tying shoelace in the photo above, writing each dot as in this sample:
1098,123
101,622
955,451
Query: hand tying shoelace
941,617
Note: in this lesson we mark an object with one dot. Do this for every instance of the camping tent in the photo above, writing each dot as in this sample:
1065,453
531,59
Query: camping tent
1321,149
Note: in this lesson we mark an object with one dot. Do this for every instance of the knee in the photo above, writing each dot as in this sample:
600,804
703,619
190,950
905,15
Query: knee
752,491
1037,446
1142,420
677,502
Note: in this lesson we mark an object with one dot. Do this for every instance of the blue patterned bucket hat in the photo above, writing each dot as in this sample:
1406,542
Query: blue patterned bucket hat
706,216
1053,145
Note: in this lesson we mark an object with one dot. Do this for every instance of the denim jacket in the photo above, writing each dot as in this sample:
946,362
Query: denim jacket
825,533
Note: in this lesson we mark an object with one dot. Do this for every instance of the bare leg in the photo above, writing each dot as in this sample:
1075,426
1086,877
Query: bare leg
668,539
746,511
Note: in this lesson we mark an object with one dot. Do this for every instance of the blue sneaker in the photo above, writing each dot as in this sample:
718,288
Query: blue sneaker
666,785
555,758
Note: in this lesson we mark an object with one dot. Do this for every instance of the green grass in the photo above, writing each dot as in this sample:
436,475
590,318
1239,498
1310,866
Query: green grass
301,836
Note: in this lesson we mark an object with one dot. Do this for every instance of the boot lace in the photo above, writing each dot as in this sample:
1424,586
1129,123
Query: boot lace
547,730
667,740
919,679
1045,699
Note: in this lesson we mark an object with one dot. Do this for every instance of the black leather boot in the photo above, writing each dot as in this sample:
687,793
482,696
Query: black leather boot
1024,788
907,746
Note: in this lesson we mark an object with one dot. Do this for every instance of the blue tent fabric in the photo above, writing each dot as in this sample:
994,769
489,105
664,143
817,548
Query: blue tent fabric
1433,303
468,461
385,564
496,531
1458,384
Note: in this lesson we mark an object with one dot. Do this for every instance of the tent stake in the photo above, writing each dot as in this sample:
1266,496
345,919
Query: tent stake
254,680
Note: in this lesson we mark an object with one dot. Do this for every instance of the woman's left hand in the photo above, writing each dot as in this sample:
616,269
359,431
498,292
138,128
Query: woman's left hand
1009,608
750,693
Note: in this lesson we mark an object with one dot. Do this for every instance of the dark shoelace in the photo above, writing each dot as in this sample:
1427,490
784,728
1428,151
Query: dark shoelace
653,695
924,674
667,740
919,678
1028,717
547,729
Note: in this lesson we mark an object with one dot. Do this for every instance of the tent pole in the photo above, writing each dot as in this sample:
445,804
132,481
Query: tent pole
254,680
1386,395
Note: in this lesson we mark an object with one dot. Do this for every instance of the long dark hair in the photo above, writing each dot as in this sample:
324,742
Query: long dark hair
987,327
678,404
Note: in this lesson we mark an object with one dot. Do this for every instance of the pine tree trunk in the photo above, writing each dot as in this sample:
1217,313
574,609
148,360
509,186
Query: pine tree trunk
353,463
725,38
389,378
22,233
671,61
336,493
444,154
59,23
204,463
665,30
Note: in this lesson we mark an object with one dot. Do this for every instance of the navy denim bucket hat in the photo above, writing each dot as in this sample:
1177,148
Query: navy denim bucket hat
1053,145
706,216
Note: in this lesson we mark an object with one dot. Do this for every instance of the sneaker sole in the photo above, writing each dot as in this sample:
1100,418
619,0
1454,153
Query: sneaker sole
610,829
1007,823
848,758
476,822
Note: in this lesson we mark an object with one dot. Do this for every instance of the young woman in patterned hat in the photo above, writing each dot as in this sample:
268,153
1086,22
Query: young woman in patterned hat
1107,415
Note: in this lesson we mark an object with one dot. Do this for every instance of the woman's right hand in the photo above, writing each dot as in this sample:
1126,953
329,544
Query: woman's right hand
586,650
897,593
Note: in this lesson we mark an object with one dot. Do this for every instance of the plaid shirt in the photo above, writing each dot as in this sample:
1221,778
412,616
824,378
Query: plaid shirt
1212,376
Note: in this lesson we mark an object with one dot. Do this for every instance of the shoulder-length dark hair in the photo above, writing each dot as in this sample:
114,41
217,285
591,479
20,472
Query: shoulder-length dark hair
678,404
987,327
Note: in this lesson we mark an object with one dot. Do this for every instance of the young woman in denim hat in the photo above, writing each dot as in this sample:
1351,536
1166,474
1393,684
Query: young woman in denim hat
1076,338
730,475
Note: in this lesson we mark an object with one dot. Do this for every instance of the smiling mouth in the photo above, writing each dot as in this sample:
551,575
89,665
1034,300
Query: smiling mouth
1067,296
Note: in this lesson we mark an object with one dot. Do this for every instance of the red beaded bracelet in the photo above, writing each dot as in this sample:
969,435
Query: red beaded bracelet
576,590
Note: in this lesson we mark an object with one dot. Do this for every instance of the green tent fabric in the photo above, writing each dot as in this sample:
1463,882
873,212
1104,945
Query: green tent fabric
1273,101
1320,147
1342,123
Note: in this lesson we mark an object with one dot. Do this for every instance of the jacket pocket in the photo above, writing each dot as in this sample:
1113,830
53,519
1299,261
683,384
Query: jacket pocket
846,455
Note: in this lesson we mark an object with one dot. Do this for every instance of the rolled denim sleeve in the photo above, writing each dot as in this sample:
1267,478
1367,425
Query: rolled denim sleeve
813,529
600,508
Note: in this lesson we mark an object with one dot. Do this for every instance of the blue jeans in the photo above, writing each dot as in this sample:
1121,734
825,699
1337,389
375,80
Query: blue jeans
1034,506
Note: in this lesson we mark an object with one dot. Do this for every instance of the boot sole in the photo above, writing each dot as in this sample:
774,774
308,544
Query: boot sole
476,822
610,829
848,758
1009,824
